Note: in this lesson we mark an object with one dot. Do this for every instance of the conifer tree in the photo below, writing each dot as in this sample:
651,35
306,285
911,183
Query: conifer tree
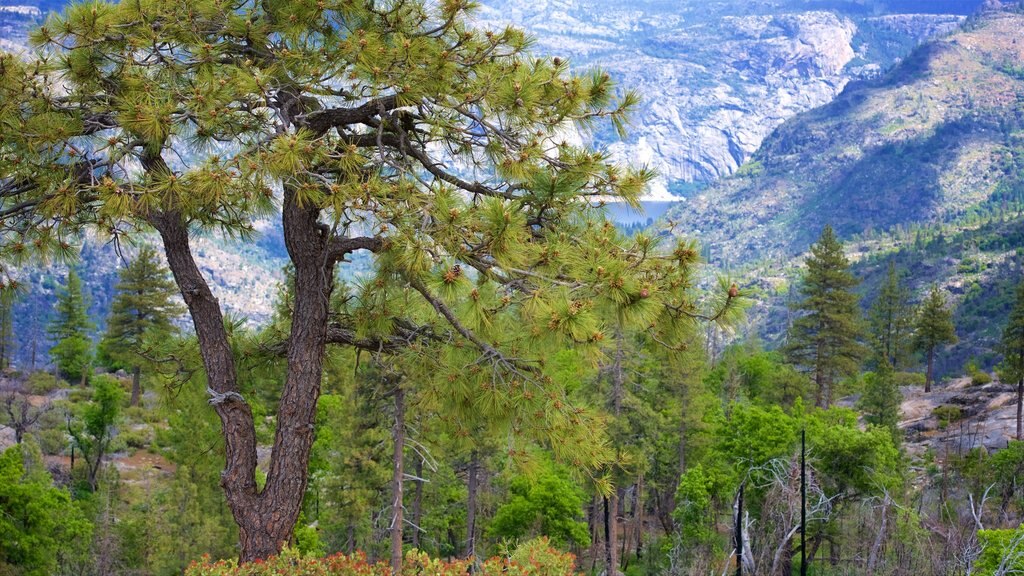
891,320
933,328
69,329
142,309
391,127
881,399
824,339
1012,367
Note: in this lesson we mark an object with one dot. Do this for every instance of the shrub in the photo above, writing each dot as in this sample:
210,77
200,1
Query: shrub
42,383
137,439
947,414
980,378
532,558
915,379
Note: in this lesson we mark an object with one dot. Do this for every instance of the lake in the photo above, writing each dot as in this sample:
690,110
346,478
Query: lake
625,215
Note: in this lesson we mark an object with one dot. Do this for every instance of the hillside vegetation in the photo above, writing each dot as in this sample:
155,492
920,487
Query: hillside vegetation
938,135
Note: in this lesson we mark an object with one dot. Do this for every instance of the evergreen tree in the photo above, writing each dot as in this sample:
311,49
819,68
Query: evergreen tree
1012,367
933,328
72,350
363,116
891,320
881,399
142,309
824,339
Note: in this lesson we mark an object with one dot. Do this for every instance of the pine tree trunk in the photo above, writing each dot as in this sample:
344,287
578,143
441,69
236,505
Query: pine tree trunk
472,488
611,552
398,435
930,371
417,505
136,386
824,394
266,518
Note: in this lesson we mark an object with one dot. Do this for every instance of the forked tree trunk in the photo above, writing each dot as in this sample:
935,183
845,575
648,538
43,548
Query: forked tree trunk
266,519
398,435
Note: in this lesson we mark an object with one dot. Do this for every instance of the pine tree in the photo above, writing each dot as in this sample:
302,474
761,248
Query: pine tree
1012,367
72,350
363,116
933,328
891,320
824,339
881,399
142,309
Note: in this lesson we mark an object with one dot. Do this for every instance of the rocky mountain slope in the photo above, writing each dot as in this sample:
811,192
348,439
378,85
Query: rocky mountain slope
717,77
935,137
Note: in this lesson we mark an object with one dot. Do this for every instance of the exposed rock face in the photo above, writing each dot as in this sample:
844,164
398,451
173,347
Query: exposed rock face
716,77
987,417
922,144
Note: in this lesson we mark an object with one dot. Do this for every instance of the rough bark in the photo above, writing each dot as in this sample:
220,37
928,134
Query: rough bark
398,471
930,371
265,519
876,547
611,552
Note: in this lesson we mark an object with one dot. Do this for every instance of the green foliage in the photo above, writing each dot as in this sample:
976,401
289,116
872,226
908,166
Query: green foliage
824,339
72,351
546,503
39,524
881,399
1001,549
1012,344
933,328
693,514
142,310
42,383
93,429
947,414
890,320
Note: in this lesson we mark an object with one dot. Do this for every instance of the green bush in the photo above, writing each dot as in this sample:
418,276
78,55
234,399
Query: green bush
996,545
532,558
136,439
908,379
42,383
980,378
51,441
947,414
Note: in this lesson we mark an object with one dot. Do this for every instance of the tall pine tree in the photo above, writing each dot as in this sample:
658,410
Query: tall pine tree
933,328
824,339
69,330
1012,368
891,320
142,309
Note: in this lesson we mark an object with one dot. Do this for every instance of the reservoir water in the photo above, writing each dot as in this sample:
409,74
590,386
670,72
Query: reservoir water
625,215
